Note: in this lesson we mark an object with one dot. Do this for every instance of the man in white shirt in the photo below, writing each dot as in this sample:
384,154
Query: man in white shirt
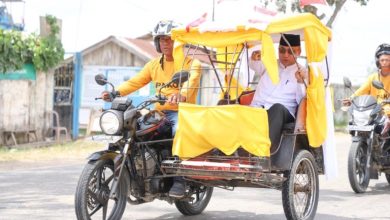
281,99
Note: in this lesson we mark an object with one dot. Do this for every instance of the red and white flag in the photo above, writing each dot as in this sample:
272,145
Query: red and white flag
262,15
310,2
197,22
229,14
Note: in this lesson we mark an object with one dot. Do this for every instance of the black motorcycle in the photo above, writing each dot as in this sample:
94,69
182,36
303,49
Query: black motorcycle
369,154
130,169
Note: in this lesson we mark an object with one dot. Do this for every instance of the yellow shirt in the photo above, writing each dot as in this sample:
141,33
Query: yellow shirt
152,72
368,89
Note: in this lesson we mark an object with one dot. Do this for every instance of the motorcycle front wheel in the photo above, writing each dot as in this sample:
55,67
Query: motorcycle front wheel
92,193
301,189
358,169
200,200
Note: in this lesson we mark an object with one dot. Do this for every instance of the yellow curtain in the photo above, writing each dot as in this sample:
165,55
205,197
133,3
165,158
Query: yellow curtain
316,124
228,127
316,119
268,58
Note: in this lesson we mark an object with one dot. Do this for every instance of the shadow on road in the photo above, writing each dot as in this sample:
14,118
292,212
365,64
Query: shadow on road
336,195
233,214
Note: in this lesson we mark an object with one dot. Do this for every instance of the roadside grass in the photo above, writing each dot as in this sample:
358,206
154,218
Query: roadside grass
75,150
79,149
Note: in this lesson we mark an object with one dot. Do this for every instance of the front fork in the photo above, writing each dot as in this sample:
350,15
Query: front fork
119,164
370,145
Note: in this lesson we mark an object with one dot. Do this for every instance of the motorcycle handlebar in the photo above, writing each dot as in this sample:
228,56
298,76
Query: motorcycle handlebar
161,99
112,95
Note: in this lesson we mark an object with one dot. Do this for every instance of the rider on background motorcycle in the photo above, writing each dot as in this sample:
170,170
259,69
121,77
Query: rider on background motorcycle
382,61
160,71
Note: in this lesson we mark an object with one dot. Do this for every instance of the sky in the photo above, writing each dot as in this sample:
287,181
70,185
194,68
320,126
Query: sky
357,31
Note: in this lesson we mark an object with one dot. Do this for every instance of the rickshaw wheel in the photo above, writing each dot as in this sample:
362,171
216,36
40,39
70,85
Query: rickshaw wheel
301,189
201,198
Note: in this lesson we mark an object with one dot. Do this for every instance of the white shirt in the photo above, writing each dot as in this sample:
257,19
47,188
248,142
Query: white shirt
287,92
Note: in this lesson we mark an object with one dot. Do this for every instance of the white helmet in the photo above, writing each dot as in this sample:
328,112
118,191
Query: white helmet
163,28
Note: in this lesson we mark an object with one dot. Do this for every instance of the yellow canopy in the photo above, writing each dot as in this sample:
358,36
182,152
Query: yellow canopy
315,35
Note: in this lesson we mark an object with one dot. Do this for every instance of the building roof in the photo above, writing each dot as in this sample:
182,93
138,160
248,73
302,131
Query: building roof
143,49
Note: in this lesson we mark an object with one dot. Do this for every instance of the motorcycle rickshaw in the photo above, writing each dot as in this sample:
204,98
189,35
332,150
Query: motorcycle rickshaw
234,127
223,146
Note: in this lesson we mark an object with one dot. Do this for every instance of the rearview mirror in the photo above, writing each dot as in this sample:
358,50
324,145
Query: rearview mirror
377,84
177,78
180,77
347,82
100,79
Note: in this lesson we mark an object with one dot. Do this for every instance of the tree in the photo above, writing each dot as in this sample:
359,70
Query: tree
336,5
17,49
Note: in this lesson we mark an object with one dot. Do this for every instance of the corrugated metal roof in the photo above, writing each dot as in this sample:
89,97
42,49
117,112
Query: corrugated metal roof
144,49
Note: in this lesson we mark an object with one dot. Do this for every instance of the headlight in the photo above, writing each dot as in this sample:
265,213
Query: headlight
361,118
111,122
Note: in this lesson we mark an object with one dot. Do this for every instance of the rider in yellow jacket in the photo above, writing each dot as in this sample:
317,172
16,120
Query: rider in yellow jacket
160,72
382,60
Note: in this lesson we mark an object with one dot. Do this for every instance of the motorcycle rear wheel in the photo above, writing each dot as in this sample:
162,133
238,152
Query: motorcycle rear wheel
92,192
201,199
301,189
358,171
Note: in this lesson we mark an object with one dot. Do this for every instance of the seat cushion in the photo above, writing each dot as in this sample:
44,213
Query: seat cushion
246,97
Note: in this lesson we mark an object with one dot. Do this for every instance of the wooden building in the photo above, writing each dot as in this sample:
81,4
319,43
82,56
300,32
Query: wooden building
25,101
111,54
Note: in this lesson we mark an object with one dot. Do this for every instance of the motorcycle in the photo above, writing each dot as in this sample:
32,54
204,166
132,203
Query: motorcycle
369,154
130,169
211,151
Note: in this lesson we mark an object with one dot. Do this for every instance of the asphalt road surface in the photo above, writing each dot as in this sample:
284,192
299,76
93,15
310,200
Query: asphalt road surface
45,190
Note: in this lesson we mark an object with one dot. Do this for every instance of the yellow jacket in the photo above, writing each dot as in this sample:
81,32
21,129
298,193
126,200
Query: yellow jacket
368,89
153,72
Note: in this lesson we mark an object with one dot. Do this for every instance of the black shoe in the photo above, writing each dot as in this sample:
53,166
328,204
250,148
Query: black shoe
177,190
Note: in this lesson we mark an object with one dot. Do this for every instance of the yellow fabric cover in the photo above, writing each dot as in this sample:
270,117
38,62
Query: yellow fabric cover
316,125
316,37
226,127
231,39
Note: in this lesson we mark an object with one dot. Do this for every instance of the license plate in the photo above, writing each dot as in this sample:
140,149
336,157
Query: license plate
360,127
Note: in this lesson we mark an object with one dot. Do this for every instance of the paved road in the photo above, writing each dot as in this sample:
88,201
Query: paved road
46,191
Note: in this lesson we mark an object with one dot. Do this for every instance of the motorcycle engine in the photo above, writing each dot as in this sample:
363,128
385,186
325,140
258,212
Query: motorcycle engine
152,185
150,164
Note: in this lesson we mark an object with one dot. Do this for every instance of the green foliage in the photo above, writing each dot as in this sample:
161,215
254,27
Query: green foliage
43,52
281,6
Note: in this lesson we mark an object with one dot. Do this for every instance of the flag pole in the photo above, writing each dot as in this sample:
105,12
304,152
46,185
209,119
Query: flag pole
213,10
